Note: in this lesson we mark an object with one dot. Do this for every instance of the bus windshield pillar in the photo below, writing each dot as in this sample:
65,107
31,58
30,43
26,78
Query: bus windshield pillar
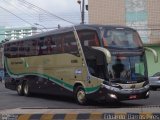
106,52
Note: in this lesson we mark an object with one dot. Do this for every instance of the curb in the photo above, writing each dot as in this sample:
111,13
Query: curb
83,116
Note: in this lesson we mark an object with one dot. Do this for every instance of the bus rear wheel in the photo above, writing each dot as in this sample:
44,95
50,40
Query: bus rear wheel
20,89
26,89
80,95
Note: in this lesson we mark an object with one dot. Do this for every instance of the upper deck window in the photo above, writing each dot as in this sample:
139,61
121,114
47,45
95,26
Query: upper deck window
121,38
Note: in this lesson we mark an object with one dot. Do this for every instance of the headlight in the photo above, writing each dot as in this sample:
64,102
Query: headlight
113,96
147,94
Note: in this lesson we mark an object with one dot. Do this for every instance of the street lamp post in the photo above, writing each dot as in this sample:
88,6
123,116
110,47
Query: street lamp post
82,10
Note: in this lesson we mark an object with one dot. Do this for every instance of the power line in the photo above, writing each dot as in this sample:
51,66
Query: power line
16,16
18,8
37,10
34,6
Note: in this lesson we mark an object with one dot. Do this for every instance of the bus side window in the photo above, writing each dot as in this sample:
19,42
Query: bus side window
30,48
14,49
89,38
40,44
58,41
59,46
21,49
27,48
74,47
70,45
53,45
66,43
46,45
33,47
7,50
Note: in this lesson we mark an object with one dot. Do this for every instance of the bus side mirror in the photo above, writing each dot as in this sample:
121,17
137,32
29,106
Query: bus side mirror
154,53
106,52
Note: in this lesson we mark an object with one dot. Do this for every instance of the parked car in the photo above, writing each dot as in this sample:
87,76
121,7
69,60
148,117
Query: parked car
154,81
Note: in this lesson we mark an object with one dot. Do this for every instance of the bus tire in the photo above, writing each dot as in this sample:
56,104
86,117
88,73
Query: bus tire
80,95
26,89
20,89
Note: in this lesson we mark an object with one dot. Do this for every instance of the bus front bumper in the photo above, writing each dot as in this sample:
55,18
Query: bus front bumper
112,93
109,94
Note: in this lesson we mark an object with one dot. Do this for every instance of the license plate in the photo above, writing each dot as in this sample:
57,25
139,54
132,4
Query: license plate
133,97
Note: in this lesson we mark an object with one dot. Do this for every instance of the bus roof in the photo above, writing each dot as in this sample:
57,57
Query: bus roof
68,29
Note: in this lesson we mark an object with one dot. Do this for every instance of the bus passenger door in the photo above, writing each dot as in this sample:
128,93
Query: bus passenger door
96,62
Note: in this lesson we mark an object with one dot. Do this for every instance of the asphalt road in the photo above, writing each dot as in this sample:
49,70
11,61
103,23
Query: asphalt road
10,100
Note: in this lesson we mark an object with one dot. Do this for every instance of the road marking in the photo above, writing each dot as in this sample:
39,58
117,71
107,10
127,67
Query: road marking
47,117
24,117
95,116
71,116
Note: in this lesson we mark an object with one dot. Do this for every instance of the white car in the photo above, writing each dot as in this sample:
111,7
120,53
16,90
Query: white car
154,81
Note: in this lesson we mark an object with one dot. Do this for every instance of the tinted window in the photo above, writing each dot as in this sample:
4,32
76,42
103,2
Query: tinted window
88,38
122,38
57,40
69,44
55,44
30,48
12,49
7,50
21,49
44,45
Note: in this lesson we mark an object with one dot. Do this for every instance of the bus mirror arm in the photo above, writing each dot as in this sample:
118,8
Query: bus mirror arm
106,52
154,53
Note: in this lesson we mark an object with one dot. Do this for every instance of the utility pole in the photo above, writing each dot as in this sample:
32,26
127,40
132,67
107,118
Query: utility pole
83,3
82,10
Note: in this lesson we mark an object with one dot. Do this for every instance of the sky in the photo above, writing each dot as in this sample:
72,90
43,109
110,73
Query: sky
66,9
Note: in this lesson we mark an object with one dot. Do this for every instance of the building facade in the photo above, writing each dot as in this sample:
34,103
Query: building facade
19,32
142,15
2,33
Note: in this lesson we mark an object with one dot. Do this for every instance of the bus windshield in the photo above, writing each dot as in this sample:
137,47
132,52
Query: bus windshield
121,38
127,69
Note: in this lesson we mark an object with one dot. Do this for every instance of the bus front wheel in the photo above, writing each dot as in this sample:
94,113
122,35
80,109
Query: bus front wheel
80,95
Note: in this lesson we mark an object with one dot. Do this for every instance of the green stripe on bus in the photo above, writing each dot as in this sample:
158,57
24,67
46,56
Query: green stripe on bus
57,81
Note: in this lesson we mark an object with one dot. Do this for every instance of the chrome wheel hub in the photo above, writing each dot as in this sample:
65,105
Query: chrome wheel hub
81,96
